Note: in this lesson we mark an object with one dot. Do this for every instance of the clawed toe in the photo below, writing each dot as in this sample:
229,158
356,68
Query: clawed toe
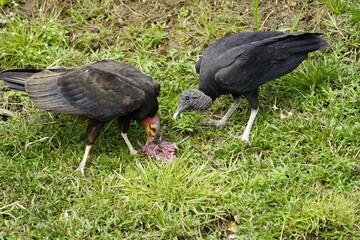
246,139
202,123
217,123
81,169
242,137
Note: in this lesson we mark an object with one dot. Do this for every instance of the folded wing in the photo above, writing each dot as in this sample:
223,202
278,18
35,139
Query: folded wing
87,91
246,67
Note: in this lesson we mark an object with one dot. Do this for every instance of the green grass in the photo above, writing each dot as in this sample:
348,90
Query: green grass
296,181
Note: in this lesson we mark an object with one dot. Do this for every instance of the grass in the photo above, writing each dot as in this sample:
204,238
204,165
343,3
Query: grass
296,181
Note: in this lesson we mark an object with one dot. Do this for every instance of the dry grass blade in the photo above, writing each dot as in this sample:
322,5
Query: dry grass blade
213,162
5,112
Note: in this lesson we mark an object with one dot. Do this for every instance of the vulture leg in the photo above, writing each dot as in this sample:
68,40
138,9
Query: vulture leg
223,120
124,125
83,161
93,130
128,143
252,98
246,134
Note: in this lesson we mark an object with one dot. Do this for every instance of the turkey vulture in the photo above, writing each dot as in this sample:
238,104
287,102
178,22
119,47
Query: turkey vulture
100,91
240,64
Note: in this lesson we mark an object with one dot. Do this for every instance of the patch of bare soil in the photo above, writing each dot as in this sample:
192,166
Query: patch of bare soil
186,20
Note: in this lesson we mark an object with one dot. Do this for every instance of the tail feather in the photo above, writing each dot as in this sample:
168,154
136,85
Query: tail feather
301,42
15,79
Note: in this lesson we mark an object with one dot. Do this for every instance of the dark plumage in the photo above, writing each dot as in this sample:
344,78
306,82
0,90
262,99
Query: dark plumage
241,63
101,91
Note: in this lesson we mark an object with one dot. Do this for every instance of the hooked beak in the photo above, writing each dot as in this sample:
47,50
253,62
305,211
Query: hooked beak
151,132
178,111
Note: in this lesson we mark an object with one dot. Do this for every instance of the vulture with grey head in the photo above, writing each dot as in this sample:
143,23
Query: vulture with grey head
240,64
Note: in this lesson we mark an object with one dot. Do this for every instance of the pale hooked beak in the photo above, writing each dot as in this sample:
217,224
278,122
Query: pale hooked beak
179,110
151,132
152,126
176,114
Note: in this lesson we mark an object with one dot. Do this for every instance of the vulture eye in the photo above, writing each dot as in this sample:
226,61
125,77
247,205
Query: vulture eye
187,98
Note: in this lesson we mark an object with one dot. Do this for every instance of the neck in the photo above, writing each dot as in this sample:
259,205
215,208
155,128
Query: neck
151,120
213,93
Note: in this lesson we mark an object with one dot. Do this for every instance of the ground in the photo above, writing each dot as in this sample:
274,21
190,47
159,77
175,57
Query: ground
296,181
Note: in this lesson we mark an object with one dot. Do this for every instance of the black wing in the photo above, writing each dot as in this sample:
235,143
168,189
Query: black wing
87,91
246,67
15,79
132,73
198,65
224,44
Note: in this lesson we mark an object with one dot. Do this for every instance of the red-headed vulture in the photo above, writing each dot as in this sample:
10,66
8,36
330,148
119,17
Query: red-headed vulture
100,91
240,64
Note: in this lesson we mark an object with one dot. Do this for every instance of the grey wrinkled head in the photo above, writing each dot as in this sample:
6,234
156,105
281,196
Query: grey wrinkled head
192,100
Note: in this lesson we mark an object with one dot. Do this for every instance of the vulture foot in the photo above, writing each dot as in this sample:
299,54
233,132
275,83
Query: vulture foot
242,137
246,138
81,169
133,152
218,123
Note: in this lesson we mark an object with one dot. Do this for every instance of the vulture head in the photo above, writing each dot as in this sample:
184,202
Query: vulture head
192,100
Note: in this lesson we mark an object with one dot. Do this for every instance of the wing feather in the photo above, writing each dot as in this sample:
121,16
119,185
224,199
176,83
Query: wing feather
246,67
102,90
87,91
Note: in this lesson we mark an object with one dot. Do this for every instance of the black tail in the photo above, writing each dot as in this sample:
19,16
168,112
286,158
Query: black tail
15,79
301,42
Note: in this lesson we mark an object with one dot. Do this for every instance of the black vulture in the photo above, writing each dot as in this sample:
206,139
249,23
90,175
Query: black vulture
240,64
100,91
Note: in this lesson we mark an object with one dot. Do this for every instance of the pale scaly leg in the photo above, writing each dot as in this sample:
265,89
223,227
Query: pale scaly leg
128,143
93,130
83,162
246,134
223,120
